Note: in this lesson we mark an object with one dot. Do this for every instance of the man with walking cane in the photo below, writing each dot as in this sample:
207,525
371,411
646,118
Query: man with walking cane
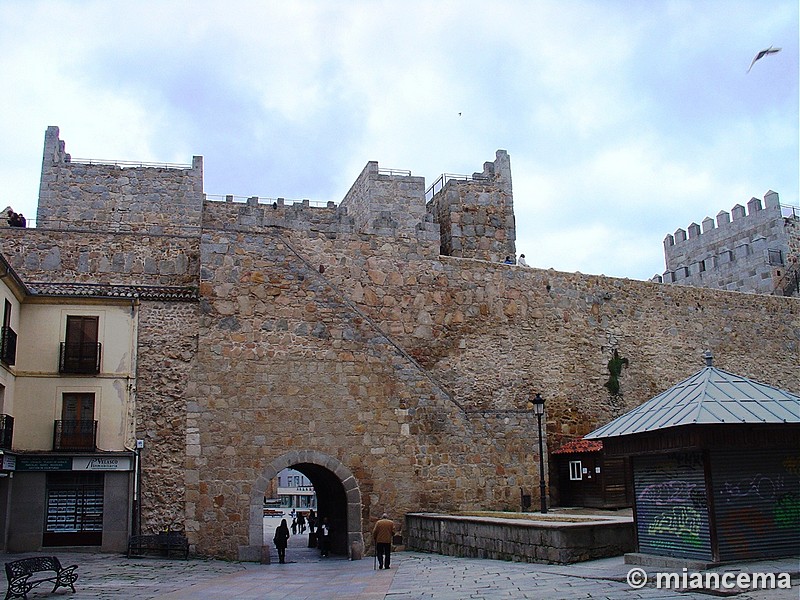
382,534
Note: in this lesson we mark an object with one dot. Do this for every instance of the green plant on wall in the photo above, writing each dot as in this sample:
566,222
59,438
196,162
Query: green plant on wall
614,373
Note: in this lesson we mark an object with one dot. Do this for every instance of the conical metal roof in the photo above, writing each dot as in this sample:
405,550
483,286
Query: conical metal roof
709,397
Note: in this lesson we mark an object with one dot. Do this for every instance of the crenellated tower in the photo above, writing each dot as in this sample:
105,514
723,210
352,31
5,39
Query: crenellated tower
754,249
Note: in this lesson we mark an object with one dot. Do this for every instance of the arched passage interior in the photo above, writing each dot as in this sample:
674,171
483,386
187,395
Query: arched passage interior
338,498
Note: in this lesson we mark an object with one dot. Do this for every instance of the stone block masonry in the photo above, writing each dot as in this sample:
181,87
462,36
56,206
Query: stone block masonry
476,214
341,335
116,196
550,541
749,253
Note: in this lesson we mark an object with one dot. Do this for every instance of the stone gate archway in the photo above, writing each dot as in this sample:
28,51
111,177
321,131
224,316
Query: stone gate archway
338,497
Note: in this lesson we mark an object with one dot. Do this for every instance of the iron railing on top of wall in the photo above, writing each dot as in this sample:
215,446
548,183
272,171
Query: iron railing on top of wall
127,164
439,184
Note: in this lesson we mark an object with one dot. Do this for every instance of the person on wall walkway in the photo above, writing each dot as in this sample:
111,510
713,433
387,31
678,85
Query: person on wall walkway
382,534
281,540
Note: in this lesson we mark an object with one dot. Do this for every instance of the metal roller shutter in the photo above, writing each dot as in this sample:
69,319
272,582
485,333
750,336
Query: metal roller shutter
671,505
756,503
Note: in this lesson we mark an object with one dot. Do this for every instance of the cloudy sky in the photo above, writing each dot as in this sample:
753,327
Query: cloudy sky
624,120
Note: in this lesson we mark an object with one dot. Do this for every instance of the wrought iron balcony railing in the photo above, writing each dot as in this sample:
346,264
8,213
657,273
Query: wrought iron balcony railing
6,431
8,345
81,358
75,436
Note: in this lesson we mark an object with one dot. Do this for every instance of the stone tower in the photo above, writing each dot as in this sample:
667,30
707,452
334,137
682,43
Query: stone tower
476,213
747,250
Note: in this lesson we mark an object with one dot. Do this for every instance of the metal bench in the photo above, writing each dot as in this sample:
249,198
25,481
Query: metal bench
164,543
22,578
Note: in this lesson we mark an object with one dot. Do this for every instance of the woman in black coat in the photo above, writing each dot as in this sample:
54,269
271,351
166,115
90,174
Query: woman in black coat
281,539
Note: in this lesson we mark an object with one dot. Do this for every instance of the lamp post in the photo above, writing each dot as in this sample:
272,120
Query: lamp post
538,408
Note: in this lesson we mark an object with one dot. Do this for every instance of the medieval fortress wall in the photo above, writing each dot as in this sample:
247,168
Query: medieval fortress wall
744,250
342,331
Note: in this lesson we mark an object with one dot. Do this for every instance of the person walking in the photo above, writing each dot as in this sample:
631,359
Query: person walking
382,534
312,520
301,522
312,526
281,540
324,537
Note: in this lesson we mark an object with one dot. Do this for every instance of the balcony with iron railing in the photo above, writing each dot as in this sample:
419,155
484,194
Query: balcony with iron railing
79,358
8,346
75,436
6,431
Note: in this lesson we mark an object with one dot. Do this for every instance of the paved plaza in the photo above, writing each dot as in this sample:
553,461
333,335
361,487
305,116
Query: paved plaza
412,576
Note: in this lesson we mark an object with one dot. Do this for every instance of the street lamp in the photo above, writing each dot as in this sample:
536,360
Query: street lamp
538,408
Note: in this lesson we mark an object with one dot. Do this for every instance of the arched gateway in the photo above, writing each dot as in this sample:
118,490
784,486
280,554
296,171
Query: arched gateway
338,498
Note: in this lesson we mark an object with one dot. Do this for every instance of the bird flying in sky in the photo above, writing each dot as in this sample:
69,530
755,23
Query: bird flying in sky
762,54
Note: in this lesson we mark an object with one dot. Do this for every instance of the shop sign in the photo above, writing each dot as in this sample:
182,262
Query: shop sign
9,462
101,463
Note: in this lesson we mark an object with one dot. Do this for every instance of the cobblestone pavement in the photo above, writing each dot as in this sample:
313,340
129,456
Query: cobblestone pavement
412,576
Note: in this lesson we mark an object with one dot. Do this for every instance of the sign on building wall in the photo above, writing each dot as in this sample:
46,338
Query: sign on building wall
99,463
69,463
44,463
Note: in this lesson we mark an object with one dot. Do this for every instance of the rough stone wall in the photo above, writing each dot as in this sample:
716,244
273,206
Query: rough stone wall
413,373
388,203
288,362
129,198
330,221
98,257
494,334
786,279
295,358
476,216
167,345
733,254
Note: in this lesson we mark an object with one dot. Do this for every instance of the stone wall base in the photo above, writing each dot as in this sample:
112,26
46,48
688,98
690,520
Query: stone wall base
546,541
259,554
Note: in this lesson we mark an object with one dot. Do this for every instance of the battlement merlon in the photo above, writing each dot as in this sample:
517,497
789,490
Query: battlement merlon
738,212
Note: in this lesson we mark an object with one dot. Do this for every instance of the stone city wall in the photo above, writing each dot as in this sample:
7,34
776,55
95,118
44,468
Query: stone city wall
424,369
495,334
415,374
390,203
86,256
412,370
287,362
